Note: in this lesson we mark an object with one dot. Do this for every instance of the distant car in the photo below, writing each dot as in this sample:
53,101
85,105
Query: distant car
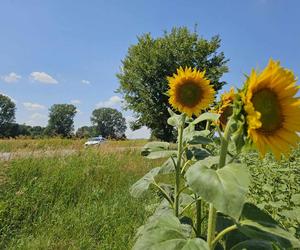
94,141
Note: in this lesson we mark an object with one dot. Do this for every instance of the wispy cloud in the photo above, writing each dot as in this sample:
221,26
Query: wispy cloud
43,78
85,82
111,102
11,77
33,106
75,101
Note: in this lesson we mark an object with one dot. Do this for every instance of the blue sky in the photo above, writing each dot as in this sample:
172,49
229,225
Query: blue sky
63,51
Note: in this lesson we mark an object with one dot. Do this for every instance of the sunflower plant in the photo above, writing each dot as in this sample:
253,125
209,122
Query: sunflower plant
204,205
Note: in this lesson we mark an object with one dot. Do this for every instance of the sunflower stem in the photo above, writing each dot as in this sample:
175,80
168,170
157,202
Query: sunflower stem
212,218
178,166
198,216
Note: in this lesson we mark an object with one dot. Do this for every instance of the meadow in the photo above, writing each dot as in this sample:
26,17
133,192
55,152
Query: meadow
82,200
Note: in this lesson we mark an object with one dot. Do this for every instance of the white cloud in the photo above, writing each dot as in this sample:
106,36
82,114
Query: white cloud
85,82
33,106
111,102
43,78
75,101
37,119
11,77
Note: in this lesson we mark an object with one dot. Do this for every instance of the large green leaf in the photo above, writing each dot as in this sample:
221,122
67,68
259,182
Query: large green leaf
257,224
206,116
161,154
254,245
167,233
225,188
138,188
168,166
197,153
154,150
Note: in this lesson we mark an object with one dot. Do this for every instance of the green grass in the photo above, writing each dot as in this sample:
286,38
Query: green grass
82,201
75,202
27,144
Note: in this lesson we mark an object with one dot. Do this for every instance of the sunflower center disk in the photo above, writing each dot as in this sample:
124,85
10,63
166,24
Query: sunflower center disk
189,94
266,102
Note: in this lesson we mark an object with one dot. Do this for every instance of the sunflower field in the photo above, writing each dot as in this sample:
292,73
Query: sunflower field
220,187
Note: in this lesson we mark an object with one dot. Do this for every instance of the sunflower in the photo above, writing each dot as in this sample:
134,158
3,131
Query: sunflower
273,111
190,92
225,106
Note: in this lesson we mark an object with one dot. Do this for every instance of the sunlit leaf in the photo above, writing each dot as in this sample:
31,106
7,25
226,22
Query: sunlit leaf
225,188
167,233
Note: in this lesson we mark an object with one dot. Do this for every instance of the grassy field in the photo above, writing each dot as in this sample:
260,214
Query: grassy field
81,201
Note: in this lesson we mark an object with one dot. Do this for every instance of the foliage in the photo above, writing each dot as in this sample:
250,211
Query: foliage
7,110
210,181
7,114
78,201
145,68
85,132
61,119
109,123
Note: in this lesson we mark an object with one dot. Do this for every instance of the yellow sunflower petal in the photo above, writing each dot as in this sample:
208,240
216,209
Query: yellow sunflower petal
273,111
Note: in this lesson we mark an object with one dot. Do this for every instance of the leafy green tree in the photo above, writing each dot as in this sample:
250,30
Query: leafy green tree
61,120
143,74
109,123
86,131
7,110
7,116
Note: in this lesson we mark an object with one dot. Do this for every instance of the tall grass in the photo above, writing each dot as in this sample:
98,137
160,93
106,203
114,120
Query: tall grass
74,202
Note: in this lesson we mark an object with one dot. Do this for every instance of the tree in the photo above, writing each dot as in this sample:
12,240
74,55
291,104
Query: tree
143,74
7,115
109,123
61,120
85,131
7,110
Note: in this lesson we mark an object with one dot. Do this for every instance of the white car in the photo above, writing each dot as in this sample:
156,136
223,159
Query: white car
94,141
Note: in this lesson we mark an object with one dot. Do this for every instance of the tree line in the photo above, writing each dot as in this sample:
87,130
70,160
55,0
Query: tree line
107,122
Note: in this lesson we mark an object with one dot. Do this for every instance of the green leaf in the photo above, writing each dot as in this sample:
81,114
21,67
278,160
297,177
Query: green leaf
198,137
168,166
254,245
197,153
175,120
154,146
156,150
225,188
138,188
206,116
209,161
296,199
161,154
167,233
257,224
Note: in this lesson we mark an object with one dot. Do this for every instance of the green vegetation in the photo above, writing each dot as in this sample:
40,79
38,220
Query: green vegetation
79,201
144,71
82,201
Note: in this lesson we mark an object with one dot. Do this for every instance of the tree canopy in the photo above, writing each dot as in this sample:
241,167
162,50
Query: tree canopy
144,70
109,123
61,119
7,110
